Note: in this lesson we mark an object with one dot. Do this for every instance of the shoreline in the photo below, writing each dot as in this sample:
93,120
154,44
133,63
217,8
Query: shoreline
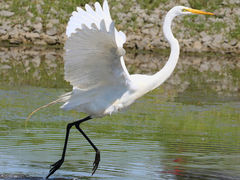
129,50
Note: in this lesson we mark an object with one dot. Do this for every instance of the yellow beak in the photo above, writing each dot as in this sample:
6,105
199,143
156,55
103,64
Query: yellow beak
195,11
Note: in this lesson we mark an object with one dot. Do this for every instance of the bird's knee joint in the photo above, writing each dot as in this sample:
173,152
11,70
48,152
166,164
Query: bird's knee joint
77,125
69,125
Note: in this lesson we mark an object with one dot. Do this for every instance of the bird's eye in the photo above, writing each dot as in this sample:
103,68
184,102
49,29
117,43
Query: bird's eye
184,10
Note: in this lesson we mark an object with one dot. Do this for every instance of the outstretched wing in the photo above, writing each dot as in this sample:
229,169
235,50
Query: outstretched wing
93,57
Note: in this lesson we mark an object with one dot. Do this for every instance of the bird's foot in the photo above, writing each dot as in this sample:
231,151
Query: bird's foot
55,167
96,162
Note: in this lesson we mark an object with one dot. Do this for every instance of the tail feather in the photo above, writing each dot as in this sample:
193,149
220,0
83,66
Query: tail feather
62,98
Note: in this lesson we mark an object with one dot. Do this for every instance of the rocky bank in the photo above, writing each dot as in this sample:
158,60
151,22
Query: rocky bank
33,23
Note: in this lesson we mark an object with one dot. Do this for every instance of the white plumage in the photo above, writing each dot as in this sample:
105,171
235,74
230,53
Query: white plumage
89,17
95,67
94,63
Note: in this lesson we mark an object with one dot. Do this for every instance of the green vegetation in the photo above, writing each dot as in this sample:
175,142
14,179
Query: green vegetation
151,4
195,26
210,5
198,4
235,33
218,26
44,8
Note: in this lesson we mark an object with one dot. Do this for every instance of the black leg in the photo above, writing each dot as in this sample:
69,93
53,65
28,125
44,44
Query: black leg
59,163
97,156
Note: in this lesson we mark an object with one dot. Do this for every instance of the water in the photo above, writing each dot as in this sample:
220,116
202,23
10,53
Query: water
188,128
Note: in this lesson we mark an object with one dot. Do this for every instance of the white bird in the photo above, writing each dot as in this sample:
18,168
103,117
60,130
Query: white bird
95,67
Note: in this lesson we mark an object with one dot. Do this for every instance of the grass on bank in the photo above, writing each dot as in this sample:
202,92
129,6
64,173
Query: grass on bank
61,10
21,6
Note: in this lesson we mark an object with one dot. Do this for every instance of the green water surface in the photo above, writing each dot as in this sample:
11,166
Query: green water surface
189,128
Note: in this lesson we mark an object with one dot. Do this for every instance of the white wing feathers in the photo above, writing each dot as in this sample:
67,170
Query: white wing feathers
94,49
90,17
93,60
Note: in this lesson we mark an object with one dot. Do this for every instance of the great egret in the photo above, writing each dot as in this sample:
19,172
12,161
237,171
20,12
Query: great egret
95,68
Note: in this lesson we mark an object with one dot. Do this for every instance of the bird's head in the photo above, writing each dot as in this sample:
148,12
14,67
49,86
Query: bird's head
182,10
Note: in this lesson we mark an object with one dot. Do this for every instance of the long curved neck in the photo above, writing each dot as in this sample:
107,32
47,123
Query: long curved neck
168,68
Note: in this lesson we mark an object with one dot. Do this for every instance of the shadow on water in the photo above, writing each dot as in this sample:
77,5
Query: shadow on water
188,128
